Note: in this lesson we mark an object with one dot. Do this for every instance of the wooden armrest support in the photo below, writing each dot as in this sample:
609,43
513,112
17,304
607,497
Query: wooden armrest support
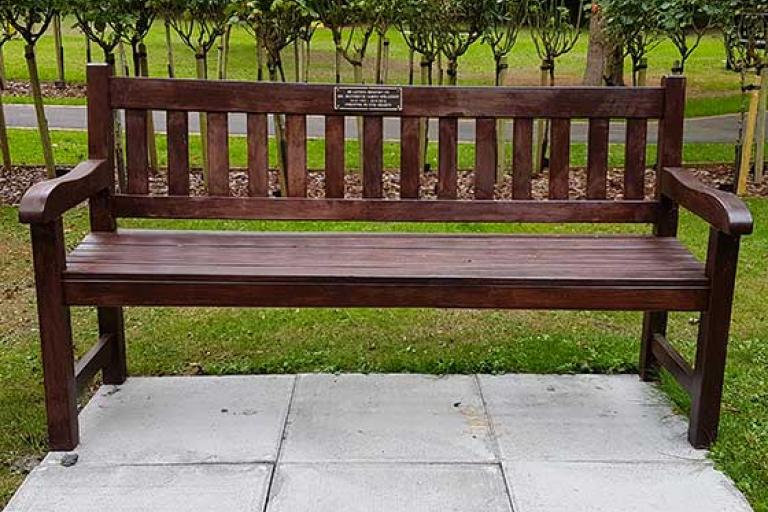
48,200
723,210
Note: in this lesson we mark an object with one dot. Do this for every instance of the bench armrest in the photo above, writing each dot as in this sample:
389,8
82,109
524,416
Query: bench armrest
48,200
723,210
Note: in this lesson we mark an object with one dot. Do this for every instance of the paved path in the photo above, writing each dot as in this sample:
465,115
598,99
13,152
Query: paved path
381,443
703,129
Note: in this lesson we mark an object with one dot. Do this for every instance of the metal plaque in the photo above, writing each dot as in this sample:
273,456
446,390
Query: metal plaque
368,99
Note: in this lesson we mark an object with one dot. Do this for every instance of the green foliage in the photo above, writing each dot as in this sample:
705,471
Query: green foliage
462,22
419,23
352,23
742,28
197,22
30,18
685,22
98,21
636,25
274,23
554,29
506,20
7,32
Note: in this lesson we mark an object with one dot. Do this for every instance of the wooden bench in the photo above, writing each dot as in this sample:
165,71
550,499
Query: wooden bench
113,268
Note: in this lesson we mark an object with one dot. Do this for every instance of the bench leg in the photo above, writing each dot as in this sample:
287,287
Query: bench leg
111,322
55,337
654,322
711,351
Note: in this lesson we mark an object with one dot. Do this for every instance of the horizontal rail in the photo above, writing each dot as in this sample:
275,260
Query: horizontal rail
673,362
93,361
404,210
232,96
109,292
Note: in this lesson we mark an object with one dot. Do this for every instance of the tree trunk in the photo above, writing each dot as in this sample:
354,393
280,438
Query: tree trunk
5,148
640,73
598,49
259,61
280,142
223,72
614,66
88,50
379,58
118,136
307,60
453,72
337,64
358,73
202,73
298,55
542,126
61,81
151,143
410,65
426,79
42,122
385,64
501,124
169,49
123,59
440,72
3,83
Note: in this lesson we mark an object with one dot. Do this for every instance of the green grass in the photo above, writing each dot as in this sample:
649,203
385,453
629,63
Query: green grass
712,89
70,147
166,341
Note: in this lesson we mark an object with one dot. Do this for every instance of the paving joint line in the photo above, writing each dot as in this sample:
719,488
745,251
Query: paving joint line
283,432
496,446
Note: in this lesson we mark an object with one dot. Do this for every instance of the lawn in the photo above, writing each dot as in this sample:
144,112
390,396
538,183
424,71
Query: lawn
235,341
712,90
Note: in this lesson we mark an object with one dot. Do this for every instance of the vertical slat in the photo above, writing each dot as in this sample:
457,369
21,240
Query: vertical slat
218,154
447,178
559,160
373,156
522,165
334,156
296,154
634,159
258,155
101,141
178,153
485,157
410,179
670,148
136,156
101,144
597,159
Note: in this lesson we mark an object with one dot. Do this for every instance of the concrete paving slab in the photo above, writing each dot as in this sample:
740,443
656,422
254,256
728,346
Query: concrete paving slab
388,488
413,418
610,487
163,488
584,418
185,420
381,443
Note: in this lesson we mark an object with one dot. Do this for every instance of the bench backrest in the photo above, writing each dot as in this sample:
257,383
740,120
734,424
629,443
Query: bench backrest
560,105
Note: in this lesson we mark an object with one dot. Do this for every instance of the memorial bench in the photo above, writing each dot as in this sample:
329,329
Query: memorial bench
113,268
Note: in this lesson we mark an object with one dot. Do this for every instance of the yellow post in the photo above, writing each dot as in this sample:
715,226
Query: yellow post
761,115
746,147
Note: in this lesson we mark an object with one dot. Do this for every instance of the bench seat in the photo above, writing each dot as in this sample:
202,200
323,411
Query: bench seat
150,267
